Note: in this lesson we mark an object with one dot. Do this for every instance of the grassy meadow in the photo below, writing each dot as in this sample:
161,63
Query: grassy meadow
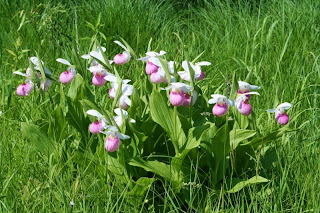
275,42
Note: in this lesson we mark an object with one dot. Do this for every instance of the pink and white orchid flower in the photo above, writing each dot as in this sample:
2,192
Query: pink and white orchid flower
242,103
178,90
113,138
123,58
221,104
198,73
99,74
99,125
127,90
280,113
118,118
160,75
67,76
245,87
153,63
25,88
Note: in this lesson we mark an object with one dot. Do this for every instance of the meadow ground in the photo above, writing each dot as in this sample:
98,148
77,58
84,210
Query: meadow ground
276,41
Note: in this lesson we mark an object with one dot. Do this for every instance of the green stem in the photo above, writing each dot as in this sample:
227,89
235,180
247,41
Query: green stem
175,140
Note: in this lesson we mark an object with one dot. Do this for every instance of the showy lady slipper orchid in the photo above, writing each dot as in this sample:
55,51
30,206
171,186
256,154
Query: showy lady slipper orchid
25,88
98,75
124,57
67,76
245,87
198,73
99,125
153,62
187,99
177,97
280,113
113,138
127,90
118,117
221,104
242,104
160,75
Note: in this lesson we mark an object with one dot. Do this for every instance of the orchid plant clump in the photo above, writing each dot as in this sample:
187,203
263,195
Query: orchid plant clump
142,120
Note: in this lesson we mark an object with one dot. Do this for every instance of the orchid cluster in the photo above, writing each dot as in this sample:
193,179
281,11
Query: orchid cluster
101,126
181,93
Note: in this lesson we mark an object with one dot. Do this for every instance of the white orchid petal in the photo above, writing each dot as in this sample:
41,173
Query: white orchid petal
110,77
184,75
151,54
86,56
254,87
63,61
162,52
185,66
285,106
94,113
155,61
20,73
127,90
126,81
95,69
132,120
122,136
34,60
127,100
271,110
203,63
120,44
213,101
103,49
97,55
146,58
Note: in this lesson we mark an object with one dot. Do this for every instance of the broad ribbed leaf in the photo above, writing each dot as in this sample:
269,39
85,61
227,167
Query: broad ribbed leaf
154,166
166,118
239,135
254,180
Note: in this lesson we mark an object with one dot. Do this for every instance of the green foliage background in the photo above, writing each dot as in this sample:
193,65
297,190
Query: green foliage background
277,42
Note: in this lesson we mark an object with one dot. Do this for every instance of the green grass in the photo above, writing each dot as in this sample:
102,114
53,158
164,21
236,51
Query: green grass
275,42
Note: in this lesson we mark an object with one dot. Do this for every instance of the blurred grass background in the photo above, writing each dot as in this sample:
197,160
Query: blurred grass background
276,41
